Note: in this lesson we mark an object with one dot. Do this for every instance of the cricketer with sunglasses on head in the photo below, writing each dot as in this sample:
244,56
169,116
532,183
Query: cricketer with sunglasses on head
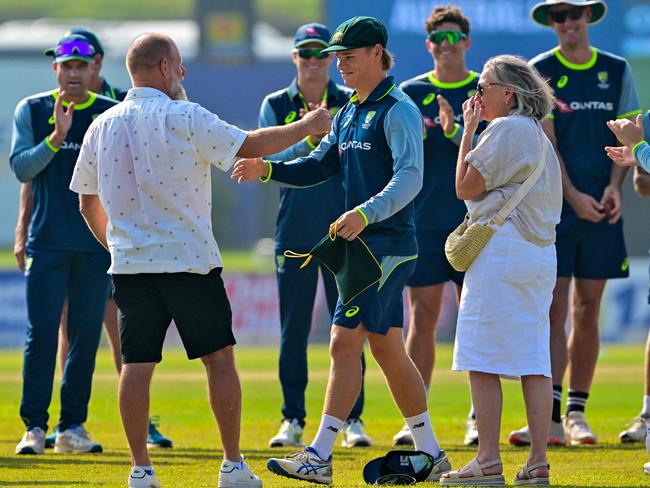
63,258
591,87
303,215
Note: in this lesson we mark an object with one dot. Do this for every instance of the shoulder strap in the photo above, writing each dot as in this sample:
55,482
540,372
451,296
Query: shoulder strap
500,217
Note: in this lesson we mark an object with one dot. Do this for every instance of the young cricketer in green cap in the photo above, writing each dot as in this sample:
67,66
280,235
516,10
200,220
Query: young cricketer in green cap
376,143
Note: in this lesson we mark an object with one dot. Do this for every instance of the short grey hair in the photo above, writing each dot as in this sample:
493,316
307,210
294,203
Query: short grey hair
534,95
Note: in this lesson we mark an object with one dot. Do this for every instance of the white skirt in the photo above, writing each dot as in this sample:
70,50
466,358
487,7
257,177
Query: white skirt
503,319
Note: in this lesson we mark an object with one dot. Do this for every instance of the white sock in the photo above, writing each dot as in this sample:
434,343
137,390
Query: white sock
646,406
326,436
145,468
422,433
472,413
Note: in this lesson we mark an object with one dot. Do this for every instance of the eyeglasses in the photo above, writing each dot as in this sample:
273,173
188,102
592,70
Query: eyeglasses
452,37
480,88
74,48
560,16
307,53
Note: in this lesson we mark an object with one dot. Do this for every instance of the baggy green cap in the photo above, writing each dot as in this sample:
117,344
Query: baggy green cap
358,32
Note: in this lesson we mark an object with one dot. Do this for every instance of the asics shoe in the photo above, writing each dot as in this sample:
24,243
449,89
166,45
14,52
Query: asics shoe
75,440
577,429
303,465
289,435
441,465
354,435
556,436
33,442
155,438
636,431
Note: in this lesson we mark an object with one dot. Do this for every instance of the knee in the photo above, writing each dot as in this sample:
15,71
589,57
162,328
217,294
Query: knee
219,360
343,350
586,310
381,350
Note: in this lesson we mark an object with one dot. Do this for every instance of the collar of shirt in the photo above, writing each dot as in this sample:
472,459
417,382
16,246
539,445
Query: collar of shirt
144,92
380,91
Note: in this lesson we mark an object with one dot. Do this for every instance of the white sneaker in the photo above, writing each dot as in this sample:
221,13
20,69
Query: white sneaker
289,435
577,429
303,465
143,478
441,465
75,440
237,475
636,431
556,436
646,467
33,442
471,432
353,434
403,437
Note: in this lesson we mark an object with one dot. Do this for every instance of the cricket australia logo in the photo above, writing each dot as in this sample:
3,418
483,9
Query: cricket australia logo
369,116
338,35
603,77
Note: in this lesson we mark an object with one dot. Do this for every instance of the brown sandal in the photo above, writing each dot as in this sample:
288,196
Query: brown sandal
528,479
478,478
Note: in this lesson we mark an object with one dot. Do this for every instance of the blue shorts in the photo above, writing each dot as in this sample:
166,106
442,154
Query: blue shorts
432,266
593,251
380,307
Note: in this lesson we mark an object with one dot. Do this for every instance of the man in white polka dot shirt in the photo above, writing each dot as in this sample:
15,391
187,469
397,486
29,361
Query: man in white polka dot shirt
143,178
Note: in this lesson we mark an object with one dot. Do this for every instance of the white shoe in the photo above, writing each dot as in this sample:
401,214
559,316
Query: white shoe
403,437
636,431
471,432
289,435
646,467
577,429
75,440
441,465
143,478
354,435
33,442
556,436
303,465
237,475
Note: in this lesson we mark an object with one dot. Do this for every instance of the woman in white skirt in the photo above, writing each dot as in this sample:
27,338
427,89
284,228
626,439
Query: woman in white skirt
503,325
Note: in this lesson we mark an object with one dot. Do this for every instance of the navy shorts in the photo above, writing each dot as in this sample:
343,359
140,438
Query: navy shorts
593,251
432,266
380,307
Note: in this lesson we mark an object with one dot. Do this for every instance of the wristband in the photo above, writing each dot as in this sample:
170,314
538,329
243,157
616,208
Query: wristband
265,179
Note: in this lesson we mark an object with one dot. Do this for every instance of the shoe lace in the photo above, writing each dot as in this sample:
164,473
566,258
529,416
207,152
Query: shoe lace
301,456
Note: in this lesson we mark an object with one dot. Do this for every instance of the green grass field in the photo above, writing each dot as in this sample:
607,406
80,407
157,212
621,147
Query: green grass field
179,397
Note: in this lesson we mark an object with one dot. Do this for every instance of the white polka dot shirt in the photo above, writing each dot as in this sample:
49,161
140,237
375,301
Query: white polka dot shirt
148,158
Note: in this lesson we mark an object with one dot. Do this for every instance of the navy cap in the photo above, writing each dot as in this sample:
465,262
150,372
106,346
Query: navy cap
70,47
90,36
312,32
399,468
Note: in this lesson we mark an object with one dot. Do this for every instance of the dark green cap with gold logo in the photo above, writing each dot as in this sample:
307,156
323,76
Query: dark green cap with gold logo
358,32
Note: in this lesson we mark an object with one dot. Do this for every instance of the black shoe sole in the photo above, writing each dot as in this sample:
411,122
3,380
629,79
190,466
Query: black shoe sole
27,450
274,467
403,442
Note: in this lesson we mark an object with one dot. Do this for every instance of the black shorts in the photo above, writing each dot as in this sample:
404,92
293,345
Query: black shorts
148,302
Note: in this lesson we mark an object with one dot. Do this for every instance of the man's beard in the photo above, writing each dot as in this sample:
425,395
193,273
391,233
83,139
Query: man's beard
177,91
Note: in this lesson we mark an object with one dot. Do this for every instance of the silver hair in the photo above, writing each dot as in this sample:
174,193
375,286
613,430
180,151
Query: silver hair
534,95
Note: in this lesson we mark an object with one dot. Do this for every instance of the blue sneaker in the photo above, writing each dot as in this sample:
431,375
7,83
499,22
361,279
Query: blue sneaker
155,438
51,439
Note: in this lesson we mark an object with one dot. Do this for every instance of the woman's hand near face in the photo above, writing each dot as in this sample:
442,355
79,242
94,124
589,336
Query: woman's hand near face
471,114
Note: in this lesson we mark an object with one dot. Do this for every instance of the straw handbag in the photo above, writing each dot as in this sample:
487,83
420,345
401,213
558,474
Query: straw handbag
465,243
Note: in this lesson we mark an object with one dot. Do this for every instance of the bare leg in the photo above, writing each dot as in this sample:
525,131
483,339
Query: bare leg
344,381
488,405
224,392
584,341
424,309
558,315
134,408
647,365
113,333
538,394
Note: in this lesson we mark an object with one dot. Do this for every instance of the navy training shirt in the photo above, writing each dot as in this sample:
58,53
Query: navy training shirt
437,207
304,214
377,145
587,96
56,222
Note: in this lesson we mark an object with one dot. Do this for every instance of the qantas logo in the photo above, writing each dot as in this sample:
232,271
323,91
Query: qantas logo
70,145
430,123
364,146
564,107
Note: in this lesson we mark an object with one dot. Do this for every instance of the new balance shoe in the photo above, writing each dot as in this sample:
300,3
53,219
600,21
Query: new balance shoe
143,478
155,438
471,432
403,437
33,442
289,435
441,465
577,429
50,439
354,435
303,465
556,436
636,431
237,475
75,440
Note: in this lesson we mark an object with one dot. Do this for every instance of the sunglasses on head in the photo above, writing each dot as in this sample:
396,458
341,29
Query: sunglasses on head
452,37
306,53
559,16
480,88
74,48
